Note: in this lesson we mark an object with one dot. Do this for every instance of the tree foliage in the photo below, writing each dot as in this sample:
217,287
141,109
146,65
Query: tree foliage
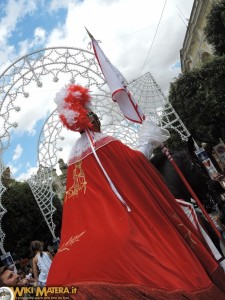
198,95
215,27
198,98
24,221
174,142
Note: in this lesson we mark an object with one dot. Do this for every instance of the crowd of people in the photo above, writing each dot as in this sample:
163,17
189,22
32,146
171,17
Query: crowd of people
35,275
9,277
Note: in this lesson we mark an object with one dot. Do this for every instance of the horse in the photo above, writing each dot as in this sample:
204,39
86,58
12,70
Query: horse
204,187
191,171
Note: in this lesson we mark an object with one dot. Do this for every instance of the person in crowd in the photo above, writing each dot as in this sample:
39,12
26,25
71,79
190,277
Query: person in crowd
123,235
41,262
21,274
52,251
29,273
11,279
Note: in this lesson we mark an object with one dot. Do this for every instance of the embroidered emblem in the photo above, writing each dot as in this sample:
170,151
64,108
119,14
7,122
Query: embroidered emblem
79,181
71,241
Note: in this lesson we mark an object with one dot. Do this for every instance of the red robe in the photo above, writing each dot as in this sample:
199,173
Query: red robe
152,252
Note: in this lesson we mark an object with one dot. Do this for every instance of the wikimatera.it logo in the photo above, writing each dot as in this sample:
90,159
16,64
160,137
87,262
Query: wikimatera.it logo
36,293
6,293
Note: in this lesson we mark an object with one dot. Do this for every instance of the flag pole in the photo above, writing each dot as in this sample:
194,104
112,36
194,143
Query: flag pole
117,85
90,35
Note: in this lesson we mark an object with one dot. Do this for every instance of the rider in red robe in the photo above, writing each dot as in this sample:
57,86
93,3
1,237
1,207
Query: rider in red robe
140,247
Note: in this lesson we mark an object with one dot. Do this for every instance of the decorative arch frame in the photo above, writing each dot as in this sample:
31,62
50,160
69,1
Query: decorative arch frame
78,65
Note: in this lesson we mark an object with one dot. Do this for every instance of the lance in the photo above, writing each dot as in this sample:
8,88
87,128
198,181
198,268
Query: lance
132,111
195,197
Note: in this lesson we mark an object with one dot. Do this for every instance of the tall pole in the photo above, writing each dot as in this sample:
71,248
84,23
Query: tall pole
195,197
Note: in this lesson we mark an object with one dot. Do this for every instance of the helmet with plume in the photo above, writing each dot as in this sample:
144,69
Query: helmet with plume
72,103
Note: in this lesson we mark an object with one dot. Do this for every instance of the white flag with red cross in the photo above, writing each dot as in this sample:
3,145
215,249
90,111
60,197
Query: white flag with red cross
116,83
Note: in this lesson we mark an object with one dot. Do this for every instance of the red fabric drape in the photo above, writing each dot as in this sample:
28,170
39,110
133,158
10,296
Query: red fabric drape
154,247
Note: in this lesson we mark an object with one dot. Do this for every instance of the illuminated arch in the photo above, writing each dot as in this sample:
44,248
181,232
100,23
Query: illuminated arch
79,65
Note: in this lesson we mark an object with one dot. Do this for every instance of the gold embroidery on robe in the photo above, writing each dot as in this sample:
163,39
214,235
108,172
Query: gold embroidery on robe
188,235
79,182
71,241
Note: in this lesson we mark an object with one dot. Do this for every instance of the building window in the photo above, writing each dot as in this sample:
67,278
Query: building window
205,57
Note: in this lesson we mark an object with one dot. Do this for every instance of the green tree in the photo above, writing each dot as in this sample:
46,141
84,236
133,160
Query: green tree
215,27
174,142
24,221
198,98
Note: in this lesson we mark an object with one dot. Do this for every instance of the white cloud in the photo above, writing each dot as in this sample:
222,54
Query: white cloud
30,170
57,4
14,169
39,34
14,11
17,153
126,29
127,34
26,175
37,41
36,107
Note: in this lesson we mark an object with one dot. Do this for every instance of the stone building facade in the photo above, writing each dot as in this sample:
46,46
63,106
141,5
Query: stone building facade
196,50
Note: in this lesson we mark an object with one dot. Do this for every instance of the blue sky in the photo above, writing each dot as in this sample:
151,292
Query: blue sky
126,29
22,154
33,22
